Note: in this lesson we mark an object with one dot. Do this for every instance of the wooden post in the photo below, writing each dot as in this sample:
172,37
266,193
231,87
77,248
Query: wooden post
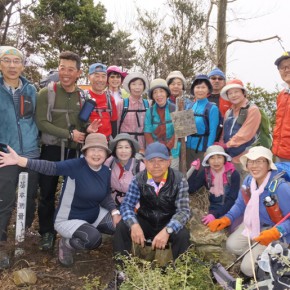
21,211
182,161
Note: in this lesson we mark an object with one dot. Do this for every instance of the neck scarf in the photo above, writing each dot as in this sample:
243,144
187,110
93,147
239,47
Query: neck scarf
153,183
218,182
252,212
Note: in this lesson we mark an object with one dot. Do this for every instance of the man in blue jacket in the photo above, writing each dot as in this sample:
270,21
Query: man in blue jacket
17,129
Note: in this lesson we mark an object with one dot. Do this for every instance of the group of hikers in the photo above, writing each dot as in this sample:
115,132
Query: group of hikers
118,153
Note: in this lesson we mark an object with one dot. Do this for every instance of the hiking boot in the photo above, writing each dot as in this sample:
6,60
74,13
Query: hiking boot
65,254
47,242
4,260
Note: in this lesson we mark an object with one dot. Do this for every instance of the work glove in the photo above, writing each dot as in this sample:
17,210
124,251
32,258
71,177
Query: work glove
207,219
268,236
219,224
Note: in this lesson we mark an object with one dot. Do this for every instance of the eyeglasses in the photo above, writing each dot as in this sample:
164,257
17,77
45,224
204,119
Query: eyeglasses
217,78
258,162
284,68
8,61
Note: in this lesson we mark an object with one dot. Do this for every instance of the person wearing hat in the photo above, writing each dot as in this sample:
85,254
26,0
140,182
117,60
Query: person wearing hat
240,131
206,116
258,225
219,176
123,164
18,128
177,85
218,80
158,122
115,79
105,108
131,111
281,138
86,208
164,206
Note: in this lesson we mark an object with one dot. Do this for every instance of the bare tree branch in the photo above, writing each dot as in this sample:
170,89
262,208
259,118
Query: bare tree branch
252,41
207,27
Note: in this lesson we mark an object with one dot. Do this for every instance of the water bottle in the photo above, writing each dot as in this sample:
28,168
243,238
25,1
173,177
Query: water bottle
273,209
87,109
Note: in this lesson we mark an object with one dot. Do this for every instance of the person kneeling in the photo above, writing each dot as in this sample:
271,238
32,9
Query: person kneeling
164,206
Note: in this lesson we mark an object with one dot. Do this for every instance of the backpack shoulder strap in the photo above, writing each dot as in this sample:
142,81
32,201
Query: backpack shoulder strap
109,102
124,112
136,166
146,104
51,93
112,163
243,113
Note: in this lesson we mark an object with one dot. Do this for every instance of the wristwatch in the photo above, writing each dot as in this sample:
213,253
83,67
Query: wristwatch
169,230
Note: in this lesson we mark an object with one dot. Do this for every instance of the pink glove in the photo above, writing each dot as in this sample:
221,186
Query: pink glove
207,219
196,164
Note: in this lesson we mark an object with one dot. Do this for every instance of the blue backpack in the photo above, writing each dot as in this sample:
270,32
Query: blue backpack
284,170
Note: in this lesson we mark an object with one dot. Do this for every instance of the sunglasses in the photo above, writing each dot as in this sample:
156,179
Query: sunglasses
217,78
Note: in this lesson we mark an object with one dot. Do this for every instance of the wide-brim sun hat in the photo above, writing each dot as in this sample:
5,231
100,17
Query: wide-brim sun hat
158,84
96,140
135,75
121,137
256,152
214,150
232,84
116,69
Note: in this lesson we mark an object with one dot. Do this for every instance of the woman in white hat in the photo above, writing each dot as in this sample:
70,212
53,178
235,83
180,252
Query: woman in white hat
258,225
123,164
241,122
131,111
86,208
219,176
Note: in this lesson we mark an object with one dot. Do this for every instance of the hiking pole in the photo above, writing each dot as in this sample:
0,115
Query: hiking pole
255,244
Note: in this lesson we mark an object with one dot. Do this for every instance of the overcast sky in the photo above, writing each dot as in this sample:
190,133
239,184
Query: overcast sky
250,62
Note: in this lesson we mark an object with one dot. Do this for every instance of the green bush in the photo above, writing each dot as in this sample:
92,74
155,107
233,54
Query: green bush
186,273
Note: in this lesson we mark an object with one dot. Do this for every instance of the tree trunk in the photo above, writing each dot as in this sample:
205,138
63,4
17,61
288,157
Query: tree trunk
222,35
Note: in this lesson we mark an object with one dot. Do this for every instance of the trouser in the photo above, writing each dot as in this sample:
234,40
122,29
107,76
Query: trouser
48,186
88,237
237,244
122,242
8,183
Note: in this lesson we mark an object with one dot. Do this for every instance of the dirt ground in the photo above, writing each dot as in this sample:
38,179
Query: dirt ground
50,274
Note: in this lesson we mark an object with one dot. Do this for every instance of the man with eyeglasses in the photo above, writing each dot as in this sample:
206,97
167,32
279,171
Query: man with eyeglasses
164,206
18,130
281,137
218,80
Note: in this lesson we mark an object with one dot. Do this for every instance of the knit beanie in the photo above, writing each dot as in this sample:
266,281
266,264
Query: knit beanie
10,50
217,72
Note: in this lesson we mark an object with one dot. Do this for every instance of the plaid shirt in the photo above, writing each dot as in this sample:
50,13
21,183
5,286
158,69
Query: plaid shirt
177,221
130,123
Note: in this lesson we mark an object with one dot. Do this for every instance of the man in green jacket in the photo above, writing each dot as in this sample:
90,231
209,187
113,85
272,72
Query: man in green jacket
62,133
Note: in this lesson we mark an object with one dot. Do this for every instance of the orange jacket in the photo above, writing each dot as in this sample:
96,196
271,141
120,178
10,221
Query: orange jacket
281,133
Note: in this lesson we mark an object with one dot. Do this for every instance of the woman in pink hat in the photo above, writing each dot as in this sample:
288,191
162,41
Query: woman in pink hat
115,80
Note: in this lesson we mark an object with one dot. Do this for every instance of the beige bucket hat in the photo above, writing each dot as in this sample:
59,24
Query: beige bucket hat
214,150
96,140
255,153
